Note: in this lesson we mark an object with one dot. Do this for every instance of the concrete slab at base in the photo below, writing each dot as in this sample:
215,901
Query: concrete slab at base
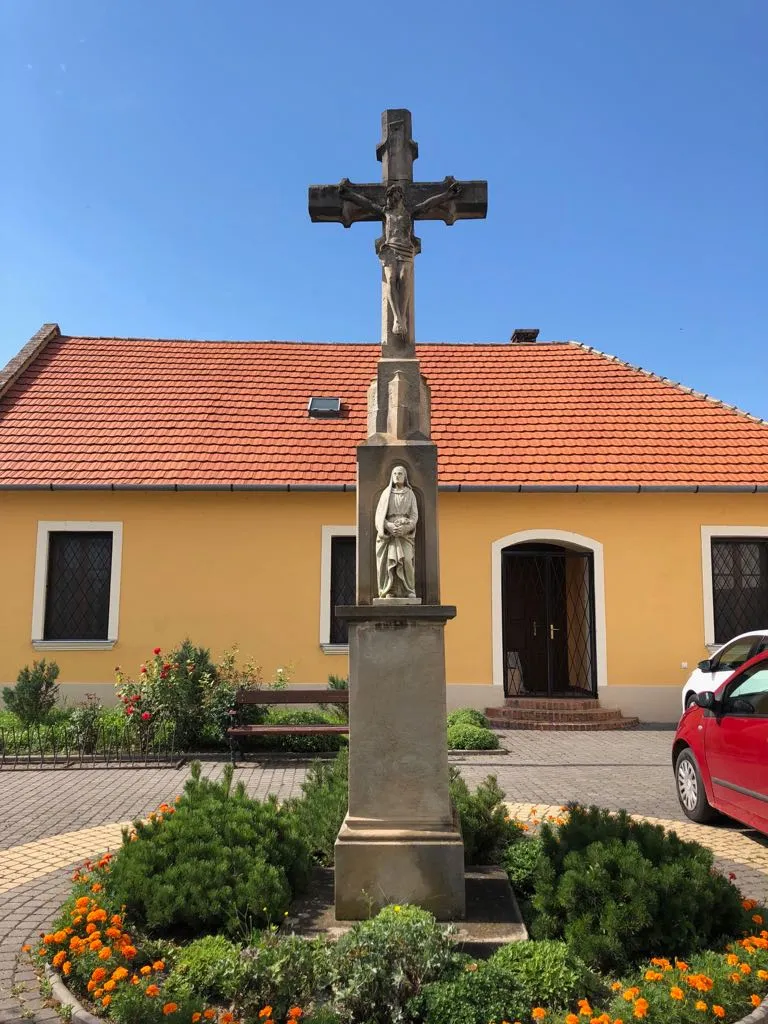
493,917
374,872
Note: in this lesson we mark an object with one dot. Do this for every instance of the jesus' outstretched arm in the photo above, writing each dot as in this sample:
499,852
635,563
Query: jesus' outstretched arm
454,189
359,200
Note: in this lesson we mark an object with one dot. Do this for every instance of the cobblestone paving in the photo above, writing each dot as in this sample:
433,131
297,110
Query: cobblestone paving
51,819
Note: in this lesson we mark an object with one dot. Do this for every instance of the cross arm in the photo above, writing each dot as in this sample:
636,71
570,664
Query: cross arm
326,203
448,200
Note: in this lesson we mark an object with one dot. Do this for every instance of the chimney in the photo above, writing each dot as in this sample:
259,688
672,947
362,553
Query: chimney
524,335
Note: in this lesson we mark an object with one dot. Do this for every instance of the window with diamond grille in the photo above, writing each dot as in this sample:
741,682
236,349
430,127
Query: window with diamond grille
77,592
343,578
739,586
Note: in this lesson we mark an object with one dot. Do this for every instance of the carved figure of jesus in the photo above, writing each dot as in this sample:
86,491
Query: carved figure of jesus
396,516
397,246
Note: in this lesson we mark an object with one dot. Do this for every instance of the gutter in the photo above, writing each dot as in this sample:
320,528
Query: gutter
445,488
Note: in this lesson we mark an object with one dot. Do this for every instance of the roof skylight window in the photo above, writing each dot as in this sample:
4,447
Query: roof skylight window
324,407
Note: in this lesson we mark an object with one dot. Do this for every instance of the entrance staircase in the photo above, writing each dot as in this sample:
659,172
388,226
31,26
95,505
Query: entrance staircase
564,715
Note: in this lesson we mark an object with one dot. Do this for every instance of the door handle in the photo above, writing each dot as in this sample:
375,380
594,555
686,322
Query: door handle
553,630
534,629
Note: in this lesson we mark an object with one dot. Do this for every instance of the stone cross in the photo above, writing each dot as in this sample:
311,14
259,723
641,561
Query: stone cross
398,201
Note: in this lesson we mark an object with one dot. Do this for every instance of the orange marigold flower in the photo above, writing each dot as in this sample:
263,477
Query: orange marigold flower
718,1011
99,974
538,1013
631,993
170,1008
585,1010
196,1016
732,959
209,1014
757,918
762,975
59,959
91,985
571,1018
82,903
113,933
265,1011
129,952
66,967
105,954
295,1012
701,1005
109,985
755,1000
158,965
96,887
681,965
735,977
152,991
116,920
25,948
651,976
616,986
99,992
42,951
641,1008
676,993
106,1000
745,968
119,973
146,969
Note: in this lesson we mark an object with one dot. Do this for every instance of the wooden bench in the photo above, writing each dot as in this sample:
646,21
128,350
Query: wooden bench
291,695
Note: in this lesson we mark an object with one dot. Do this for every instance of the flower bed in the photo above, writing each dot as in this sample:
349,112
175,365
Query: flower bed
182,923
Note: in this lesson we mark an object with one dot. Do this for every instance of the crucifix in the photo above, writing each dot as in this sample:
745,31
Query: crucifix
398,201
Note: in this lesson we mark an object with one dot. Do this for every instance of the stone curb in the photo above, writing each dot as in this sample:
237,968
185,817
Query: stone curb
60,992
758,1015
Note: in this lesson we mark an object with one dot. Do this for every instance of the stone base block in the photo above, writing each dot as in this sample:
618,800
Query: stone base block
399,866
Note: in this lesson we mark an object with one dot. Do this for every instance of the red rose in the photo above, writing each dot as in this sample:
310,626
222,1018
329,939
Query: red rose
143,669
129,710
156,650
145,715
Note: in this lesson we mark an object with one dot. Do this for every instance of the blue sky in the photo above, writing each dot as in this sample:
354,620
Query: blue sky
158,154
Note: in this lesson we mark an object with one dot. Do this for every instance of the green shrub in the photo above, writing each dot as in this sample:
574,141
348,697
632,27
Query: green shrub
221,862
85,723
521,861
471,737
467,716
34,695
282,972
301,744
319,812
516,978
211,967
381,964
486,827
341,711
621,891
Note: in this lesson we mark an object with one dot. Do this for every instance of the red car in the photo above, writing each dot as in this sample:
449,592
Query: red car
720,751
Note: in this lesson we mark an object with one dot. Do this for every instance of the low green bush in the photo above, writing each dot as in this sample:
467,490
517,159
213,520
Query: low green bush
211,967
297,743
467,716
221,862
622,891
282,972
35,693
521,860
516,978
486,827
471,737
379,966
319,812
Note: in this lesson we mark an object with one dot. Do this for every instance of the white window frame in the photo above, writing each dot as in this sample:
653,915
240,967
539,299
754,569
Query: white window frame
708,533
328,533
44,531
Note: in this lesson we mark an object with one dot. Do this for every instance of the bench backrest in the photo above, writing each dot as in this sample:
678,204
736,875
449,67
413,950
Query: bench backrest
292,695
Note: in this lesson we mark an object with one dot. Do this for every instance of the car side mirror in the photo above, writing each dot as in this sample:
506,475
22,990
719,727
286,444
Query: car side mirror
706,699
706,665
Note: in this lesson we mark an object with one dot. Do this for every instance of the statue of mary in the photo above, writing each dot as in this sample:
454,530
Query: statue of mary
396,518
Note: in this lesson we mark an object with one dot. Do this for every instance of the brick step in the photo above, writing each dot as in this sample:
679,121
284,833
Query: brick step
545,703
562,726
550,715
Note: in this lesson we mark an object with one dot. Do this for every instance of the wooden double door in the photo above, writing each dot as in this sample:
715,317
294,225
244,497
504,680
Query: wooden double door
548,622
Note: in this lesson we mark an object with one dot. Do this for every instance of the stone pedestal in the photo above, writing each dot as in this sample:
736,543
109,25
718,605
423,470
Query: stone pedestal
399,842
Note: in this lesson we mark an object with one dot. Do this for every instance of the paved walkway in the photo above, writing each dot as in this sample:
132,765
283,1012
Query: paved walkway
50,820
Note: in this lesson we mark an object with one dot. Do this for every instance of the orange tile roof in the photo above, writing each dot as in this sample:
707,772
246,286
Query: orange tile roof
142,413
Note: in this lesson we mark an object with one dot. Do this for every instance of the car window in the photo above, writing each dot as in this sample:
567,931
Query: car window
733,655
752,686
762,647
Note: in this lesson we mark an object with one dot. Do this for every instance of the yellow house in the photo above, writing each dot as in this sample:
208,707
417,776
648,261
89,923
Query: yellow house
601,528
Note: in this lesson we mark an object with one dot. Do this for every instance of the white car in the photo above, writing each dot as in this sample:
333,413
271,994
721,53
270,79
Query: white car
709,674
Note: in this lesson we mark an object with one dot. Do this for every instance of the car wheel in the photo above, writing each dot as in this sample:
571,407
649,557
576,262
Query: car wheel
690,700
690,788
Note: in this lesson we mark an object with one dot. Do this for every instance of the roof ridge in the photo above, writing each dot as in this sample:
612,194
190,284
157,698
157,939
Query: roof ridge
14,368
672,383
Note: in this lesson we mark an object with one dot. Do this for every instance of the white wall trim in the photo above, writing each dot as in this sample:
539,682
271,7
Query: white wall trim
568,540
44,530
707,534
328,533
